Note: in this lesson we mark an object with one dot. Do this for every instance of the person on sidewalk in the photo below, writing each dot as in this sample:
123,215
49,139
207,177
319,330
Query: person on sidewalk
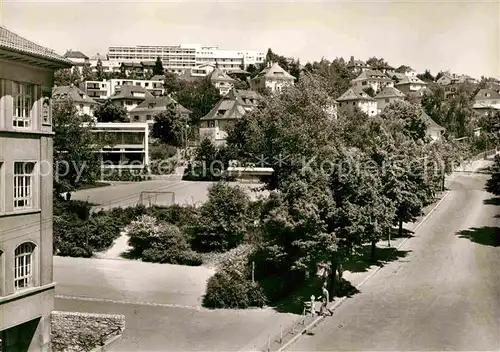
325,300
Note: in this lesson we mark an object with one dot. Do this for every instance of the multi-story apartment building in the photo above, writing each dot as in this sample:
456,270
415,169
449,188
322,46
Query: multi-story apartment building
178,58
102,90
26,281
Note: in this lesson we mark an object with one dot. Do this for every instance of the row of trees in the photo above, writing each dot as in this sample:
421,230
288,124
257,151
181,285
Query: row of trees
338,184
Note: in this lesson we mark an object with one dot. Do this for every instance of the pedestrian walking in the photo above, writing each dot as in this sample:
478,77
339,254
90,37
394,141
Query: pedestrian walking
325,300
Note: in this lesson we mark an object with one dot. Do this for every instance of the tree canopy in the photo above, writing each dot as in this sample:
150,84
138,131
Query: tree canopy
109,112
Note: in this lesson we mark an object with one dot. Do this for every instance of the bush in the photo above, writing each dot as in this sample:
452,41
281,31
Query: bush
229,289
223,220
159,241
126,175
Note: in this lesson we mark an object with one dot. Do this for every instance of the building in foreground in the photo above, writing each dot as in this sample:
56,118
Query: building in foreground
26,281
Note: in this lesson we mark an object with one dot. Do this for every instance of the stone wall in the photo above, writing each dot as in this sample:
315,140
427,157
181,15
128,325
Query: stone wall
78,332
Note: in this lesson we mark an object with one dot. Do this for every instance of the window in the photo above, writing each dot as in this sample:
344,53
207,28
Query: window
23,265
387,100
23,185
211,124
23,95
364,83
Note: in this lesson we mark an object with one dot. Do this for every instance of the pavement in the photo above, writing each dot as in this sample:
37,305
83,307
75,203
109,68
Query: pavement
444,295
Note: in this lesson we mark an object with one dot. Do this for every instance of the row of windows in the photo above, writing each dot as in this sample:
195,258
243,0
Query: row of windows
23,185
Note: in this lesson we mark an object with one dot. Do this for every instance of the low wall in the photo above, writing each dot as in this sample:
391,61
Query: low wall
79,332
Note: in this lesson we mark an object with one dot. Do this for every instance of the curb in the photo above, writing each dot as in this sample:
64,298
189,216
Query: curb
339,302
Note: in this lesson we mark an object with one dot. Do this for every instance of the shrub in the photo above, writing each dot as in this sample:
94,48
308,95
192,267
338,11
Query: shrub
229,289
159,241
223,219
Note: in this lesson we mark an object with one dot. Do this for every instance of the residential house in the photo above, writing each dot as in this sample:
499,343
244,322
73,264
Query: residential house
230,108
26,280
102,90
130,97
83,103
357,66
410,84
355,97
387,96
448,78
377,80
434,131
221,81
202,70
273,77
146,111
407,71
127,145
486,100
78,59
387,69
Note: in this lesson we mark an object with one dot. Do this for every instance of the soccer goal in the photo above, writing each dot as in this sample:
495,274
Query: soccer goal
157,198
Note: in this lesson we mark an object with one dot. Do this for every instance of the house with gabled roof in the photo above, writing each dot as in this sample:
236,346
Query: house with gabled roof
434,131
486,100
221,81
387,96
78,58
357,65
375,79
81,101
27,286
355,97
233,106
410,84
273,77
149,108
129,96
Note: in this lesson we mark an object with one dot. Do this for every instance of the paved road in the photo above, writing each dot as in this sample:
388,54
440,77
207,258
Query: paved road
445,295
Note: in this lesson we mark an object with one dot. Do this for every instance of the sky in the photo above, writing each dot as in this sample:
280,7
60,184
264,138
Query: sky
461,36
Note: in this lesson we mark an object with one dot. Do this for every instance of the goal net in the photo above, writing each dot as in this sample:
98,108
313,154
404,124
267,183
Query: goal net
157,198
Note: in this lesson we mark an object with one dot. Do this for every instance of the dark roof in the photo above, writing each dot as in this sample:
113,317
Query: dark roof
159,104
70,54
275,71
217,75
13,42
389,92
372,75
158,78
128,91
484,94
75,94
235,104
353,94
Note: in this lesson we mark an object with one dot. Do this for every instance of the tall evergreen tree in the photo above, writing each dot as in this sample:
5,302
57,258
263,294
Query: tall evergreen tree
158,67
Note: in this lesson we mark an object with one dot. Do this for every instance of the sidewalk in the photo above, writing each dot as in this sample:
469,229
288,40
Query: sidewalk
281,336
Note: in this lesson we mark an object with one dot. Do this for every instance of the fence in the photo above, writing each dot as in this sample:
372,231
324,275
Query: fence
484,155
160,198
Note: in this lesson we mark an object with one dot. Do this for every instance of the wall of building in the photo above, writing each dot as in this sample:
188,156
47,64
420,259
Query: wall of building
33,224
383,102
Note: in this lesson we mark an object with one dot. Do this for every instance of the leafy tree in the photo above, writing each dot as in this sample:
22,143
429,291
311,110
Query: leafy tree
199,97
223,221
158,68
493,183
172,83
99,70
376,63
67,77
426,76
170,127
252,69
439,75
370,91
87,74
334,76
109,112
76,161
415,125
403,69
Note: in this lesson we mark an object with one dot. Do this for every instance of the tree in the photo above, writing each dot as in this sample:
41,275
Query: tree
76,161
493,183
158,67
87,74
334,76
109,112
252,69
376,63
199,97
370,91
170,127
223,221
99,70
172,83
426,76
67,77
411,115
